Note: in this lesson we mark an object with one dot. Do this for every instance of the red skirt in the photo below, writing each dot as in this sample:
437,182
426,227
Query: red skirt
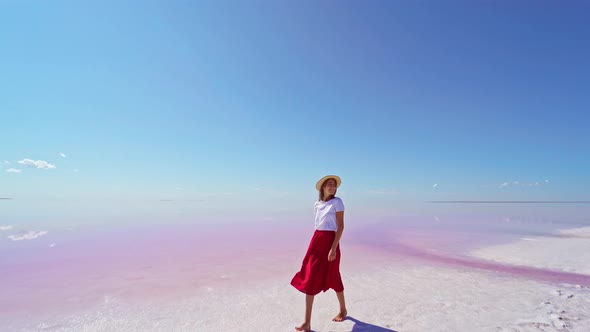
317,273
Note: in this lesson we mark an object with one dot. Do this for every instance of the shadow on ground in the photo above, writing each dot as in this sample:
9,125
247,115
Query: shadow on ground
366,327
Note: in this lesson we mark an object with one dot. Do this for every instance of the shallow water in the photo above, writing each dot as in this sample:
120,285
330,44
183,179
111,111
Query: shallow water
63,264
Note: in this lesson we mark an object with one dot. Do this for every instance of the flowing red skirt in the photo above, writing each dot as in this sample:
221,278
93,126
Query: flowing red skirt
317,273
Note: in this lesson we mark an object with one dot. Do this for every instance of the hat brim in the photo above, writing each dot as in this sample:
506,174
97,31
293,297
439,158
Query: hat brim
318,185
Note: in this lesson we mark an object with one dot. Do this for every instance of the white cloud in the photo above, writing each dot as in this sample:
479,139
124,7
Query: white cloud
41,164
52,245
5,228
523,184
27,236
13,170
76,170
435,185
6,162
62,154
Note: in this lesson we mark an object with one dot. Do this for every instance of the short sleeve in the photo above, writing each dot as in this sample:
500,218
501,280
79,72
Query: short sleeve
338,205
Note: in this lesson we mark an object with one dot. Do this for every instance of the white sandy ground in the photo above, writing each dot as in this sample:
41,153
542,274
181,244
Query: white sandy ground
569,253
397,297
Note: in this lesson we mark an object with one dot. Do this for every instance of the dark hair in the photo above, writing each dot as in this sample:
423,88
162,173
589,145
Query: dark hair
321,196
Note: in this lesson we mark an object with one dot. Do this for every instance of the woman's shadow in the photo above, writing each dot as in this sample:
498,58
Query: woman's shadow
366,327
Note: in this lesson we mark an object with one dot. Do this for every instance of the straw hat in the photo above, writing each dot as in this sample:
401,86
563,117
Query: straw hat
318,185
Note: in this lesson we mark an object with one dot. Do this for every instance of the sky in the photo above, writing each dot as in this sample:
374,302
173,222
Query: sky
243,105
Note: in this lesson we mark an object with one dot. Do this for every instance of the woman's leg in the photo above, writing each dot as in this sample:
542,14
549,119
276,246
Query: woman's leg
342,314
306,326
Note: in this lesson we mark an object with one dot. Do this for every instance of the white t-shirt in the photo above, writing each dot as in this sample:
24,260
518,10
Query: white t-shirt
325,214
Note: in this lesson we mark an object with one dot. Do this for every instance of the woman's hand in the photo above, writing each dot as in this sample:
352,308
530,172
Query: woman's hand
332,255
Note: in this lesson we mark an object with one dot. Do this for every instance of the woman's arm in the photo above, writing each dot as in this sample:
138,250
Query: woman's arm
340,223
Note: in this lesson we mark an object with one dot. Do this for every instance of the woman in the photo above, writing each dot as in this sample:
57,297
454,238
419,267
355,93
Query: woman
320,269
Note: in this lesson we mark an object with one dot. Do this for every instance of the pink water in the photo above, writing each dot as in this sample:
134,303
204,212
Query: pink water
76,268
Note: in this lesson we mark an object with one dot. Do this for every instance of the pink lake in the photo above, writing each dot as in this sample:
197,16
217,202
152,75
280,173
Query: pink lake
75,268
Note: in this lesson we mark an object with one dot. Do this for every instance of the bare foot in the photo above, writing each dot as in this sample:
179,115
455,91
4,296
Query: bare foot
340,317
303,327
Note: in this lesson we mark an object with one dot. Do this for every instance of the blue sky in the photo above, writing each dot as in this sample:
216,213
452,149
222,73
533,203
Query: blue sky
403,99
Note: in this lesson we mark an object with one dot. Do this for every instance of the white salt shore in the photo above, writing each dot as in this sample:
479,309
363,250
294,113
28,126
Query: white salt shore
404,297
568,251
